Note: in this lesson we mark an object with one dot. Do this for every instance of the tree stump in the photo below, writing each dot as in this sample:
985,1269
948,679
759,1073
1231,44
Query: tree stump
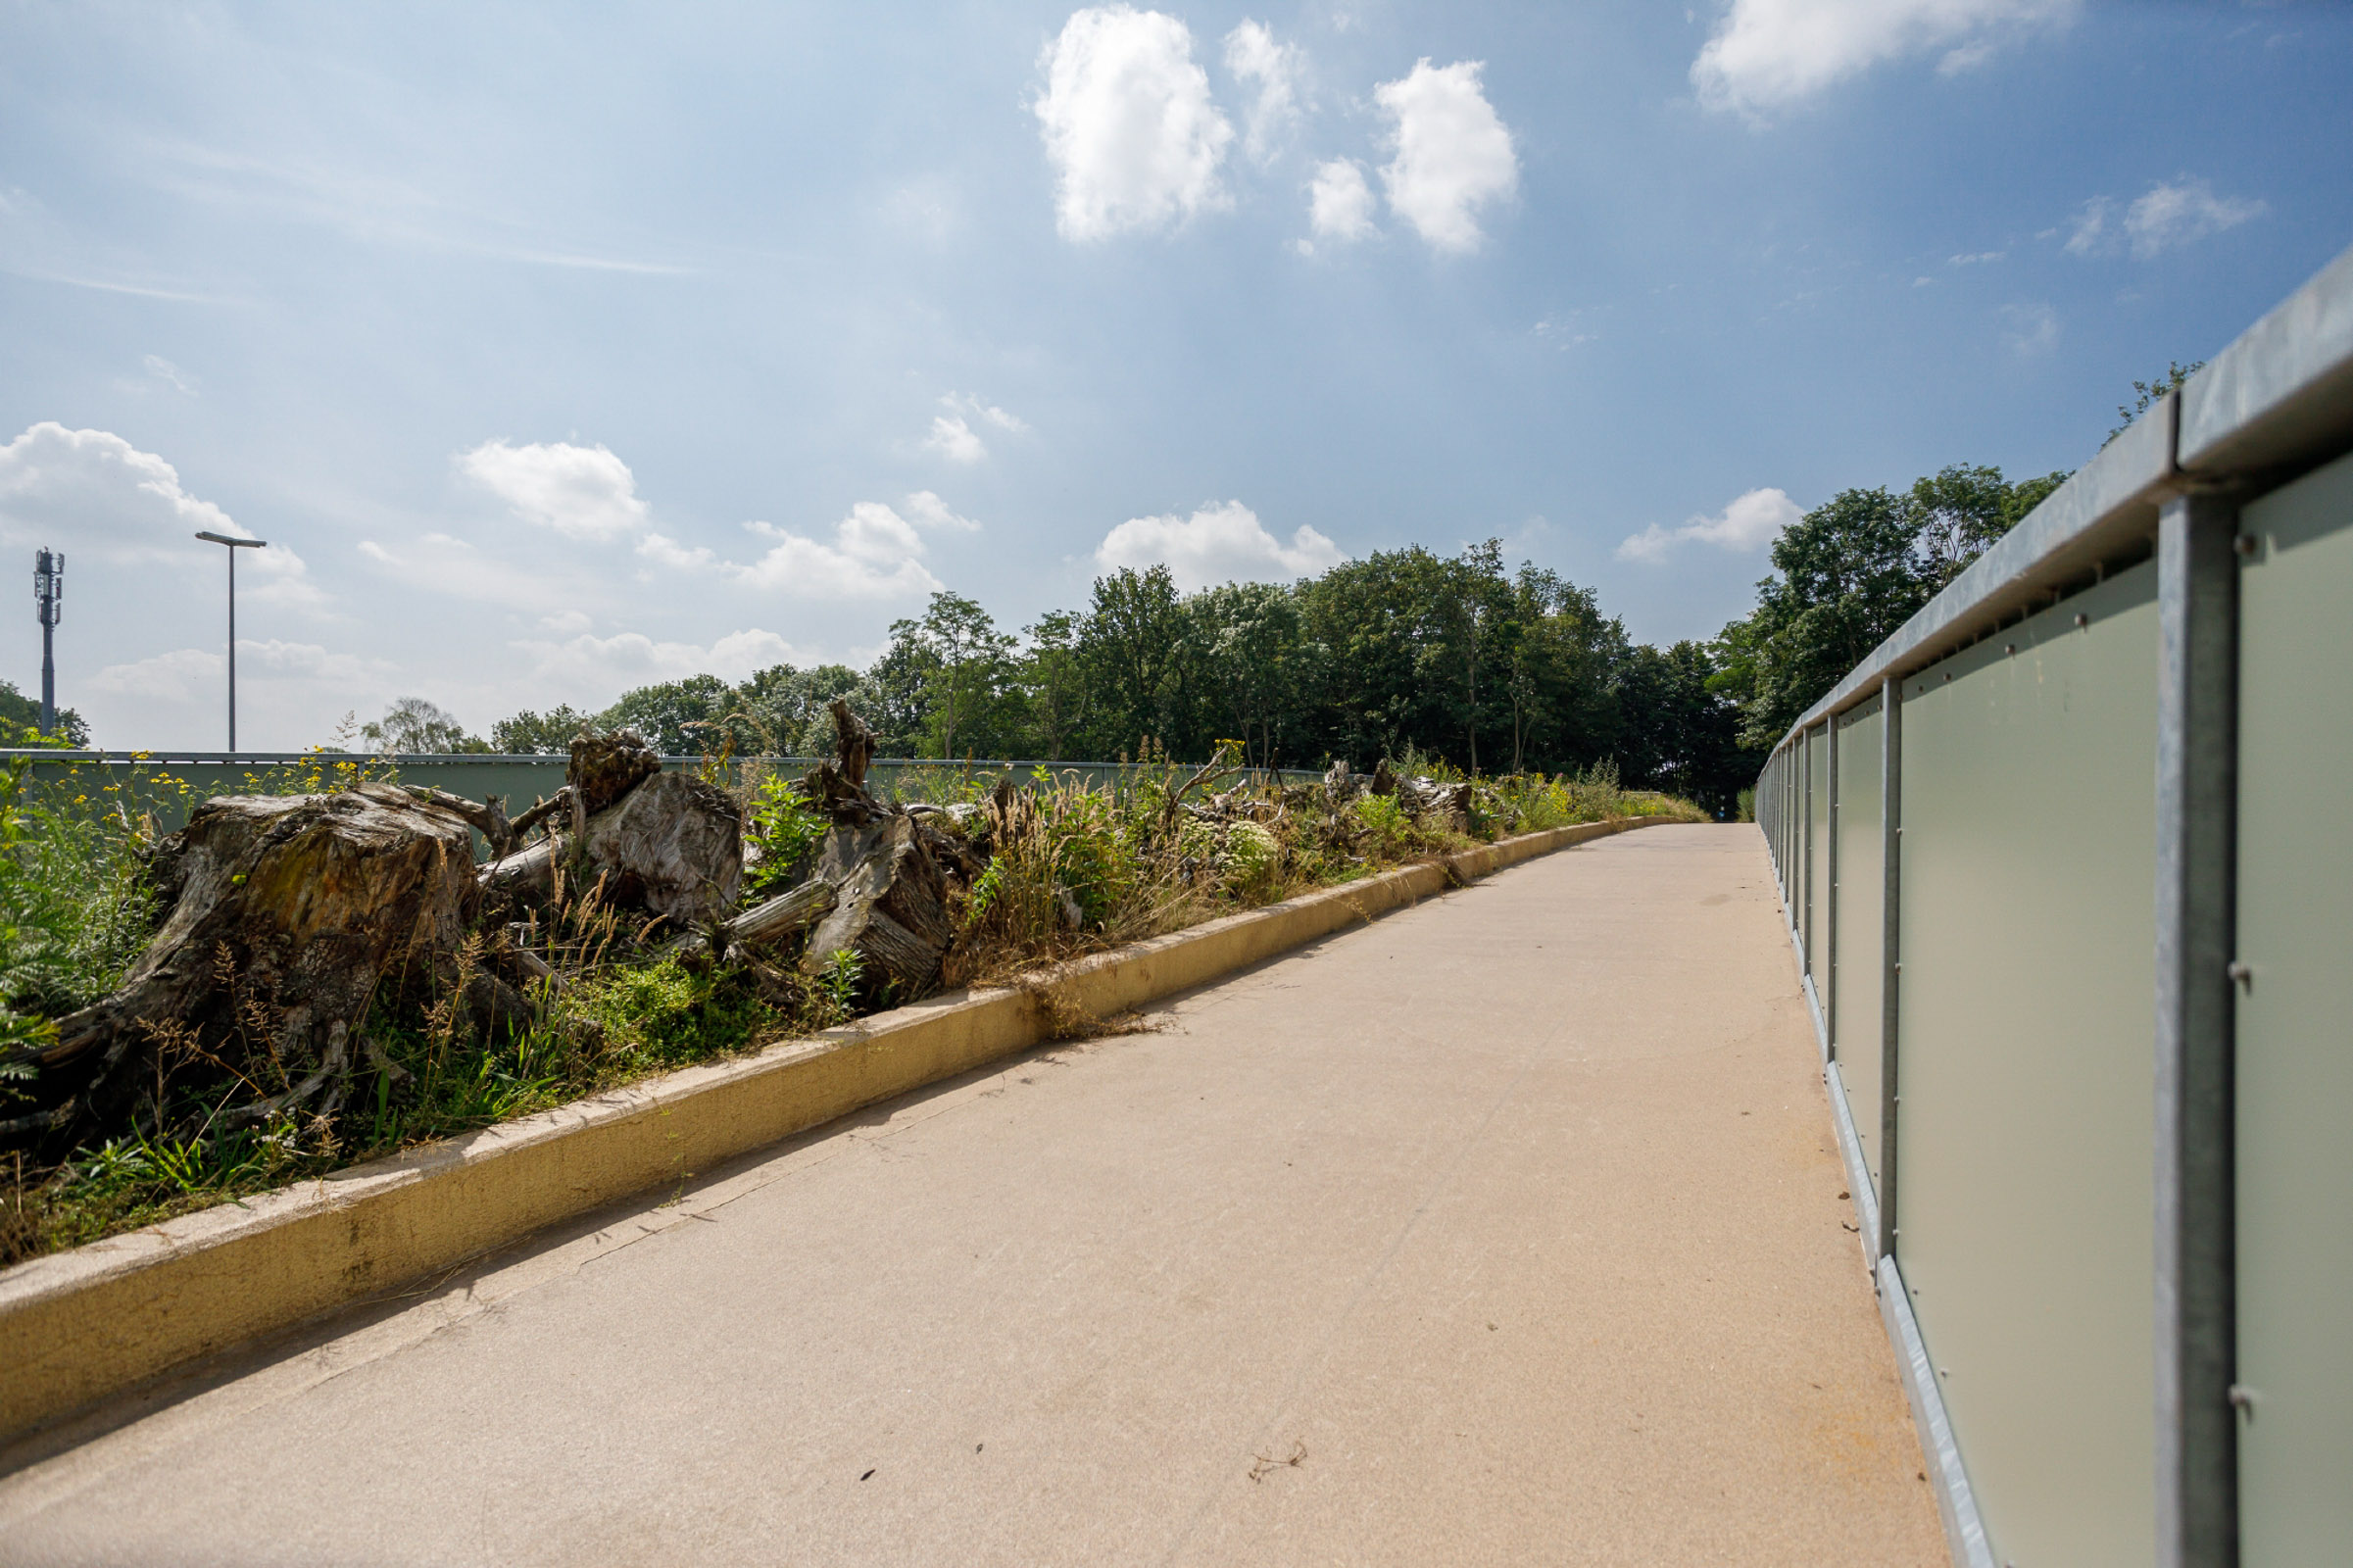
606,767
283,914
890,906
673,845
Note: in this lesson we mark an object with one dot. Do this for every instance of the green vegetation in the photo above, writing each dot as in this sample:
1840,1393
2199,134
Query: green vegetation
1850,572
1450,656
20,721
1071,868
2147,394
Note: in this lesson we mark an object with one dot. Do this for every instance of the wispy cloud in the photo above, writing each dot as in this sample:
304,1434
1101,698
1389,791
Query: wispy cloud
2176,213
2030,331
2169,214
1272,70
1767,55
952,434
169,375
1750,521
1339,205
376,209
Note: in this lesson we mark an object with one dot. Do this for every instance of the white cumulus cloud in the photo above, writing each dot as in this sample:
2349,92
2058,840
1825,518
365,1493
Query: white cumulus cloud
1272,69
952,435
664,551
197,674
980,409
1771,54
1340,204
1452,154
955,440
580,491
1222,541
91,490
1131,130
1751,521
875,553
592,671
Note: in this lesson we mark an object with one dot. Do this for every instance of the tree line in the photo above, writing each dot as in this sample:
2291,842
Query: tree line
1453,657
1403,652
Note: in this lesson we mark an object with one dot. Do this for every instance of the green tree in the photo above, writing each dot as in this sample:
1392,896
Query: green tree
2147,394
1256,663
537,734
1132,648
1677,733
893,697
20,721
677,717
1054,683
1558,655
781,709
968,667
1850,572
414,727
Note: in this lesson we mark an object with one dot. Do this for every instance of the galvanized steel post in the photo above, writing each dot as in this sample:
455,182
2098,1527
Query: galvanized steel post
2197,812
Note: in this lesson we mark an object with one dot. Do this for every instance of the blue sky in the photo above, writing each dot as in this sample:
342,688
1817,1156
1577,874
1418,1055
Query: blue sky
558,349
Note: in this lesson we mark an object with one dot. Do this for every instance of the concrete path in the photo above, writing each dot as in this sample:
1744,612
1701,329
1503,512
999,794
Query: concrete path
1507,1230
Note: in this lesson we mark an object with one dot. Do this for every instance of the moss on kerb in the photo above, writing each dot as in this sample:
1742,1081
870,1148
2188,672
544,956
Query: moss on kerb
77,1327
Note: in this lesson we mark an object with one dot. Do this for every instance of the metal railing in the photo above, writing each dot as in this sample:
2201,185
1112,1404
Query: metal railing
166,781
2071,889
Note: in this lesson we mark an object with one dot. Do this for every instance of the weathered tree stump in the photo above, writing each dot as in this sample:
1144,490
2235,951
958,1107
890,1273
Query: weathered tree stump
606,767
767,924
283,914
673,845
853,742
891,906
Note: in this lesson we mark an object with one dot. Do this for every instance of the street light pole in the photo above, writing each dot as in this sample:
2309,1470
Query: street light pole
49,598
234,545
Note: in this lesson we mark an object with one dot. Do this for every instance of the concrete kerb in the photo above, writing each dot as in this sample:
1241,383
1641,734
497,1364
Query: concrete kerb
78,1327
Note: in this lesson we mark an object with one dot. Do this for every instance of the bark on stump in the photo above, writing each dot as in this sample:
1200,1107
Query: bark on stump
890,909
673,845
282,915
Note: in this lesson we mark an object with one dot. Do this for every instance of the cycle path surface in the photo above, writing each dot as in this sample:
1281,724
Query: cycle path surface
1507,1229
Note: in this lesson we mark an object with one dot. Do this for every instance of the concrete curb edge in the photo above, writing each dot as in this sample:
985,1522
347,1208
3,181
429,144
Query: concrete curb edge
82,1326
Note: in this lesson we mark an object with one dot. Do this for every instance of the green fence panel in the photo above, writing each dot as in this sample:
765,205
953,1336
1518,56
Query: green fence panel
2294,1105
1855,1003
1817,858
2025,1142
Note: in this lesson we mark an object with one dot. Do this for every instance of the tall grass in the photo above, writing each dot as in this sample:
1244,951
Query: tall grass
1072,867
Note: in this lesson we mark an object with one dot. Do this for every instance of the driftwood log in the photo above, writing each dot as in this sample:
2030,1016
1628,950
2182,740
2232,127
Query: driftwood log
282,915
766,925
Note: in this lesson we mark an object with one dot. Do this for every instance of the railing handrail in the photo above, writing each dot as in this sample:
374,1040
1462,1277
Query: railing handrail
170,757
2278,400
